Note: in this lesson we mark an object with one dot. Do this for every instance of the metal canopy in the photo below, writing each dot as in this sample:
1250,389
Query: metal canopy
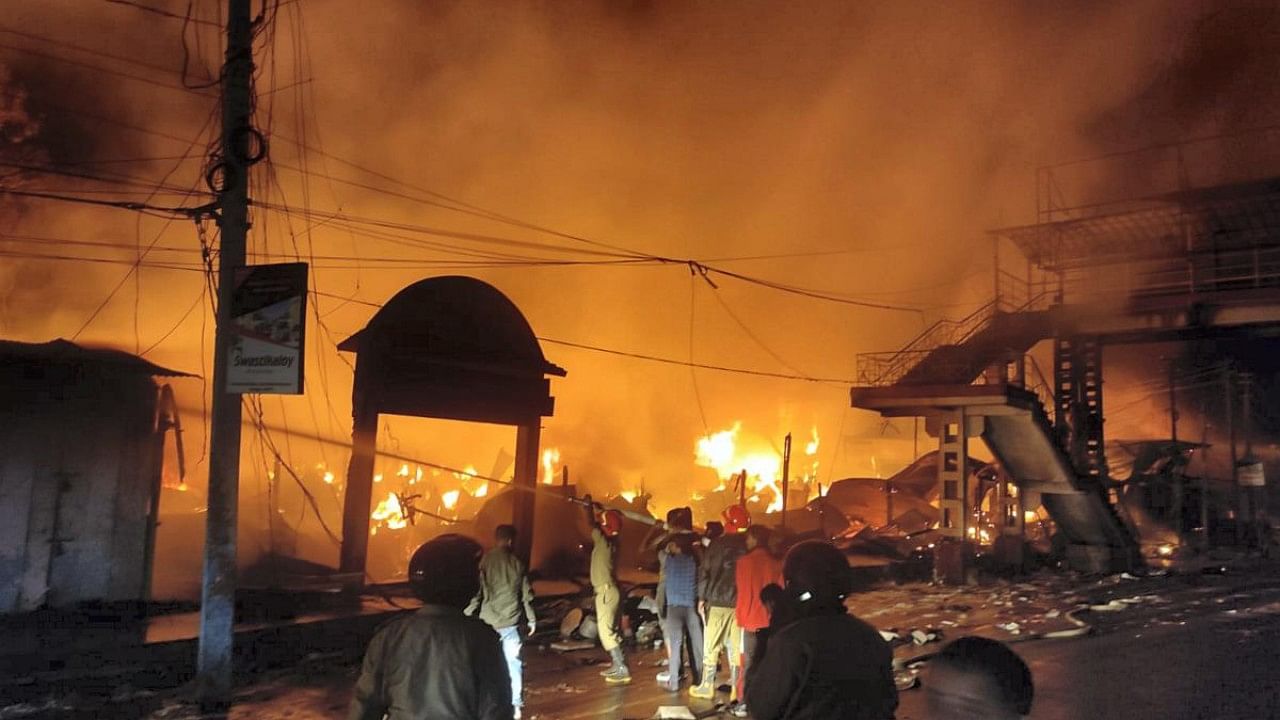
1226,217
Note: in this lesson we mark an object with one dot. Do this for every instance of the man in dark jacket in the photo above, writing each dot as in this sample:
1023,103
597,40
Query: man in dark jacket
824,663
718,595
437,663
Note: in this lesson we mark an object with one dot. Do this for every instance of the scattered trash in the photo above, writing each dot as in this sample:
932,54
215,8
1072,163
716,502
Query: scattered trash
674,712
1012,628
888,636
1052,614
648,632
1112,606
922,637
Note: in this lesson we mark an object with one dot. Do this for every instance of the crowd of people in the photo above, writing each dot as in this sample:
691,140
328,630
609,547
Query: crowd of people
791,649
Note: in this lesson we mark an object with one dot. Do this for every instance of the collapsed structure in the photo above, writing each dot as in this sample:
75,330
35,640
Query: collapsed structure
1196,263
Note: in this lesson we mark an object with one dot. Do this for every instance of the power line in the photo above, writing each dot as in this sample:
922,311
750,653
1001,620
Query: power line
164,13
187,211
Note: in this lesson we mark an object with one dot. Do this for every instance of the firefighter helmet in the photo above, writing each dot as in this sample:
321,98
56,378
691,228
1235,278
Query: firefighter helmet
611,523
736,519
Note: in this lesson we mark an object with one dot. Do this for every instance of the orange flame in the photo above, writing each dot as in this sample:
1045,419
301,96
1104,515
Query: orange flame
450,499
719,451
388,514
550,458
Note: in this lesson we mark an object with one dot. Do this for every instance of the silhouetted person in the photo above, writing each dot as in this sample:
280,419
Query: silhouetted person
756,570
974,678
718,596
505,602
818,661
437,663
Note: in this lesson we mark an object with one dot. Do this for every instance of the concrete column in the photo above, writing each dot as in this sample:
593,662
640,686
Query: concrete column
528,437
358,498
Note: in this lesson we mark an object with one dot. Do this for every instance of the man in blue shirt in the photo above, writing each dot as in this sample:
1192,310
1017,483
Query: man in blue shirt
681,595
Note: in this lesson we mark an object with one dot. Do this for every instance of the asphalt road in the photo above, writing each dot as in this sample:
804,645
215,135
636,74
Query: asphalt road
1216,666
1189,647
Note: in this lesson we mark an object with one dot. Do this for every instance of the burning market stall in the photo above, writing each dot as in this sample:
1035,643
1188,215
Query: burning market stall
81,454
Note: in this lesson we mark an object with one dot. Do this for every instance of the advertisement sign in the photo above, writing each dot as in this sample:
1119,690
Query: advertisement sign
268,310
1251,475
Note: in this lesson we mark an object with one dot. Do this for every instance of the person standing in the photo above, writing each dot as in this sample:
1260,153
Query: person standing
753,572
681,594
436,663
819,661
505,602
678,526
718,595
604,583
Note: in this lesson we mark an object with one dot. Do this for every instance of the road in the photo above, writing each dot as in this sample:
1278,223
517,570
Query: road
1197,646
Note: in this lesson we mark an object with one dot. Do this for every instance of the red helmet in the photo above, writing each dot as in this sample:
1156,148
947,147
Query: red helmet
736,519
611,523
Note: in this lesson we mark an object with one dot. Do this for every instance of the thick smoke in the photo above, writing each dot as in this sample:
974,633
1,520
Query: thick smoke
895,133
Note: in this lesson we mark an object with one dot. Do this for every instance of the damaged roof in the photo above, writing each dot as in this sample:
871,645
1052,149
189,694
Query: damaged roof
64,352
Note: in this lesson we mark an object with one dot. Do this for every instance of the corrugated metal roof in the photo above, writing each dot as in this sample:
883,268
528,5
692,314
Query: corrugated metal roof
64,352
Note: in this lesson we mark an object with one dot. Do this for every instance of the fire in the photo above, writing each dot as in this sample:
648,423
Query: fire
328,478
811,448
377,478
450,499
550,458
628,495
388,514
482,490
719,451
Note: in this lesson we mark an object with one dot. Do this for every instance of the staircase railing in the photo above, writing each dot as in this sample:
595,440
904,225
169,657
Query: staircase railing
1037,383
887,368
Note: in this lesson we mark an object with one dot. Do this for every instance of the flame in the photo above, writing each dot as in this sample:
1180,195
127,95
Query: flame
628,495
328,478
403,471
481,491
450,499
812,447
388,514
550,458
719,451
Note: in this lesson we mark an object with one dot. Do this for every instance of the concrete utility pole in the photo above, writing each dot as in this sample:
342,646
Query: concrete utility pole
218,592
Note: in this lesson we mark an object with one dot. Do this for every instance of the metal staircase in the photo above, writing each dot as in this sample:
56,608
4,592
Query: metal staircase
1064,460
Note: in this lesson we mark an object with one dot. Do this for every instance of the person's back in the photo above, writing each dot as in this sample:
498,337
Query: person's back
435,663
831,666
505,599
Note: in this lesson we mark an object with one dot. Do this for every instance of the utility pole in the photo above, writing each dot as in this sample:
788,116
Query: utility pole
786,475
218,591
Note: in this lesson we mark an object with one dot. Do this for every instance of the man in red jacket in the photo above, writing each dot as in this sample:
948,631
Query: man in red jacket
754,570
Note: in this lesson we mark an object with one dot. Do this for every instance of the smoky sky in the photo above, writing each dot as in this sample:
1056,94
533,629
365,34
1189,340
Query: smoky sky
893,132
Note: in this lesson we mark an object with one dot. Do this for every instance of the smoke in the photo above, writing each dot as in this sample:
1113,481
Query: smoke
894,133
